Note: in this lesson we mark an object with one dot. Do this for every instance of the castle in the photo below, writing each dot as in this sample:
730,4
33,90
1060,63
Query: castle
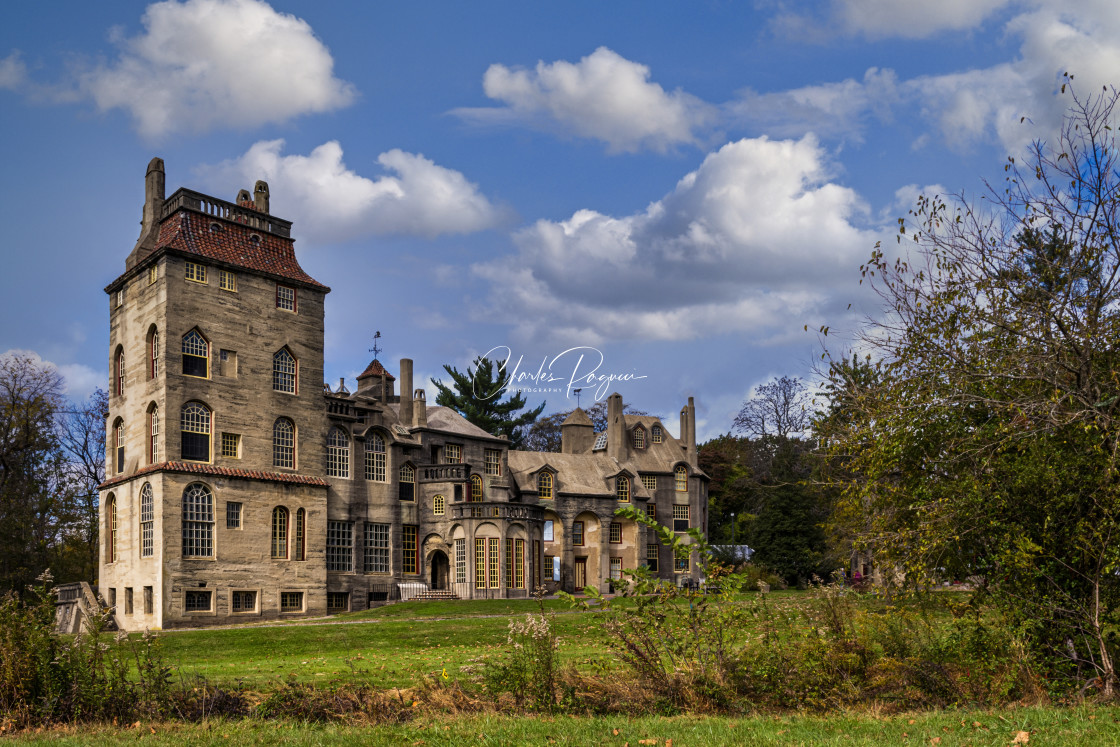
239,487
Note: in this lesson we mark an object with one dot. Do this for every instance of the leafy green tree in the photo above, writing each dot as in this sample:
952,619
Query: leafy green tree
989,447
477,396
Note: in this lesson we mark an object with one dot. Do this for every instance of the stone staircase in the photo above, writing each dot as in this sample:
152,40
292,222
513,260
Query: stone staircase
75,605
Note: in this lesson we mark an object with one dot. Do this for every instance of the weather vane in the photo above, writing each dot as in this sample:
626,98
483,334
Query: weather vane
376,349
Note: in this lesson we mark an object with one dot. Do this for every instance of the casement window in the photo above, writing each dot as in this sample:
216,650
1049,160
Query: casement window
283,371
639,438
476,488
291,601
147,521
452,454
227,281
284,444
680,518
616,569
286,298
622,489
196,273
233,514
340,546
577,533
338,601
651,510
656,434
118,446
680,479
410,561
439,505
653,553
120,379
406,481
460,561
197,600
515,563
194,424
486,563
492,561
198,522
375,458
111,525
649,482
231,445
243,601
299,536
493,462
375,556
616,533
280,517
544,486
196,355
338,454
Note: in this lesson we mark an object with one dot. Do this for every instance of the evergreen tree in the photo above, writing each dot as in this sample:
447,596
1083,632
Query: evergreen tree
477,396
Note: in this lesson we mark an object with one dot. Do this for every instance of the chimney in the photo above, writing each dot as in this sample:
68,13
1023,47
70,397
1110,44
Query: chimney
260,196
616,428
243,196
405,413
154,180
419,409
688,431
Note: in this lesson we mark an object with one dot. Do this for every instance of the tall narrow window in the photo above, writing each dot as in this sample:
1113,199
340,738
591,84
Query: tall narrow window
283,371
195,427
338,454
519,564
547,531
120,373
283,444
439,505
639,438
493,462
509,562
153,274
147,521
280,533
492,564
376,555
299,536
622,488
544,485
577,533
652,553
480,563
198,522
375,458
680,518
153,435
407,483
196,355
616,533
476,488
411,560
680,475
227,280
460,561
233,514
657,434
340,546
118,446
111,525
616,569
153,355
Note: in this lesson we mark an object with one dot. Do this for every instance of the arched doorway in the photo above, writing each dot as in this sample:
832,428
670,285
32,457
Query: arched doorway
441,570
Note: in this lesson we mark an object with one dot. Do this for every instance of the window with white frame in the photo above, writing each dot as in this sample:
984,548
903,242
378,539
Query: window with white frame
284,444
285,298
198,522
194,423
283,371
375,458
338,454
493,462
147,521
376,551
340,546
196,355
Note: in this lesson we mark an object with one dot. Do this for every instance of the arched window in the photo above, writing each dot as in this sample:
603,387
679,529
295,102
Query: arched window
476,488
338,454
111,526
639,438
658,436
439,505
681,478
284,444
153,434
406,479
153,353
622,488
375,458
118,446
147,521
120,372
198,521
194,423
284,371
280,533
196,355
544,485
299,548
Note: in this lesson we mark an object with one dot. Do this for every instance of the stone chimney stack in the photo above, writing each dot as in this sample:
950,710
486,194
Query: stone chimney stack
405,414
154,186
419,409
616,428
243,196
260,196
688,431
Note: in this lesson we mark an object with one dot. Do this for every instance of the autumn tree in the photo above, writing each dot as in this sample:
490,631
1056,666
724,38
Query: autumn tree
989,449
477,396
82,437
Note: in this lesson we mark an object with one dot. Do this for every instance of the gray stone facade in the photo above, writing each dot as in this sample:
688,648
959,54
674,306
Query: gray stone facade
241,488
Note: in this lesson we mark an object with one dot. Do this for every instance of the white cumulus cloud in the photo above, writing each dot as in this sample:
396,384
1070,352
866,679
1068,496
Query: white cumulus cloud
331,202
756,240
202,64
604,97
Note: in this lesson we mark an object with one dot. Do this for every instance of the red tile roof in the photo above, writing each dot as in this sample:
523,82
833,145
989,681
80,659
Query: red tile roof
189,232
376,369
212,469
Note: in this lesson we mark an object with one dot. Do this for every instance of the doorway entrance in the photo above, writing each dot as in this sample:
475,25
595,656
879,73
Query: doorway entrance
441,570
581,574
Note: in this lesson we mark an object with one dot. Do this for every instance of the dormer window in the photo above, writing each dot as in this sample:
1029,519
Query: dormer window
544,486
639,438
622,488
657,433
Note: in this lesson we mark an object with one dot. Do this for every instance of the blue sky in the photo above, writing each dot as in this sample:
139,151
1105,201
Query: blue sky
679,188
